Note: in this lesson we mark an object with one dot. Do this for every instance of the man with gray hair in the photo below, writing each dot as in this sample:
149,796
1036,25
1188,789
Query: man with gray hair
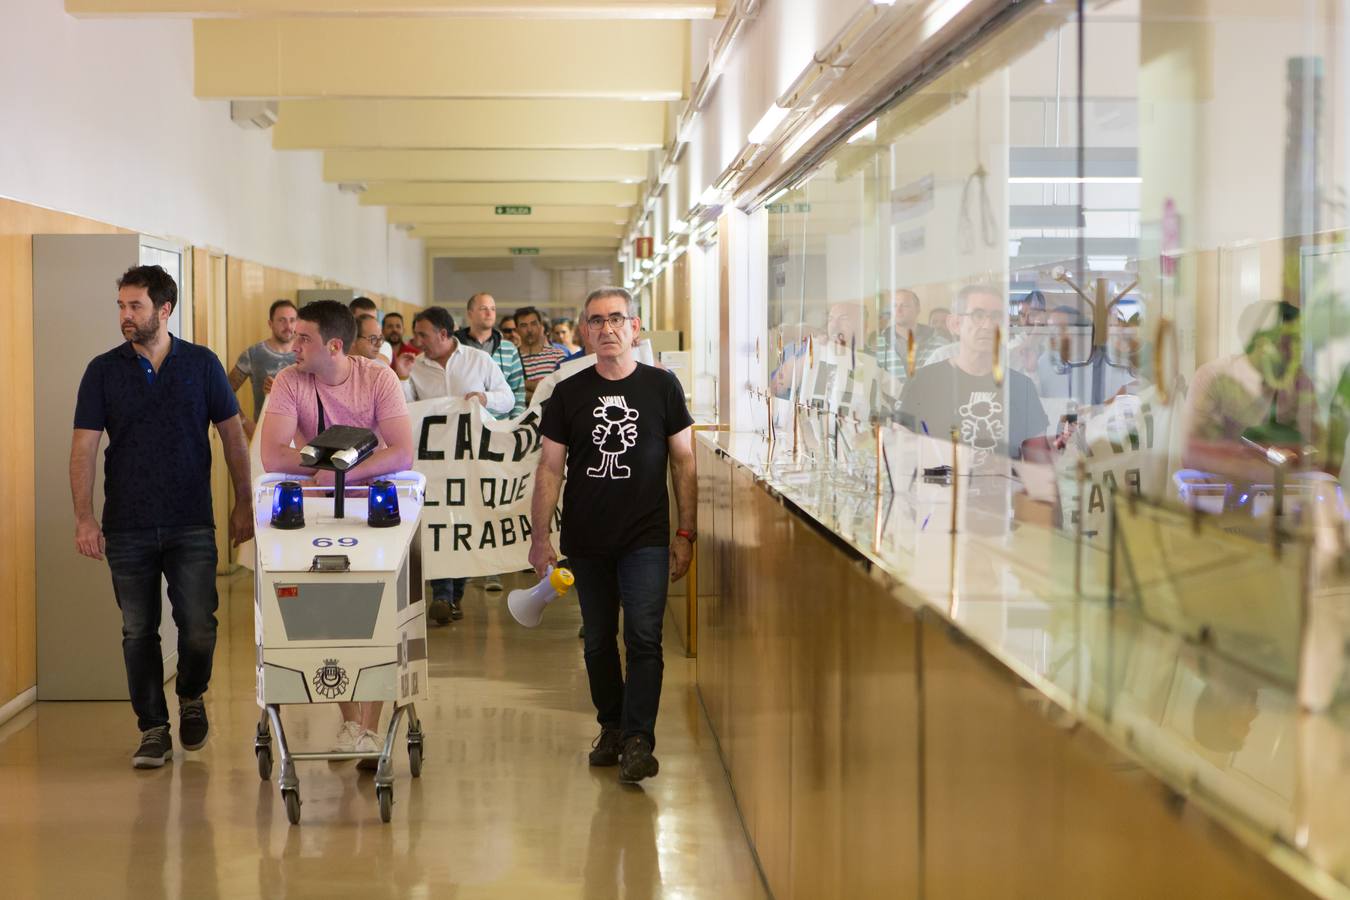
991,416
617,426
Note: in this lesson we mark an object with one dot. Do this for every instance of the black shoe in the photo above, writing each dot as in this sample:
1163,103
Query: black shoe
156,748
455,612
637,762
439,610
192,724
605,748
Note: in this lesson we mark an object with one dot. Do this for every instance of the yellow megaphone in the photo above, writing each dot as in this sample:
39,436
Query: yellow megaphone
527,604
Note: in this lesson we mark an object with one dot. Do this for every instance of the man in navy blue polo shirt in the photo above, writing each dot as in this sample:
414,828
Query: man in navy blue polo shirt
156,396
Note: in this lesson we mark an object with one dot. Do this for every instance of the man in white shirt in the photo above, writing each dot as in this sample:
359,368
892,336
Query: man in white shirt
448,368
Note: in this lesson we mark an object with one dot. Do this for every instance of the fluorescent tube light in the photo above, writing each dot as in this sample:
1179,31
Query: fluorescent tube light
768,123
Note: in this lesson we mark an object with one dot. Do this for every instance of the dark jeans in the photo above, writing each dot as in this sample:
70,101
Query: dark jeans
186,557
635,581
447,588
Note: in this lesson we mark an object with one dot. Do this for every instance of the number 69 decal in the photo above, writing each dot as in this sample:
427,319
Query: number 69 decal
341,542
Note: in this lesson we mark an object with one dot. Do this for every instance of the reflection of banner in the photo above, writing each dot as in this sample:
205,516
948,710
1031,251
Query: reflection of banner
480,478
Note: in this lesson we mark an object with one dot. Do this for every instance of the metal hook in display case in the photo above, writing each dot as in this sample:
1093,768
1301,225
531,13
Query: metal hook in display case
1101,308
998,355
1165,330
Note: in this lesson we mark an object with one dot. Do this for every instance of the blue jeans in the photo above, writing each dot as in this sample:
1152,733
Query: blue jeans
186,557
447,588
635,581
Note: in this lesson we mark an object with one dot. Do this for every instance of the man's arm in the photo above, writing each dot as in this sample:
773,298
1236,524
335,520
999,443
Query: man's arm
237,377
396,456
500,398
277,453
231,433
514,373
685,476
83,458
547,486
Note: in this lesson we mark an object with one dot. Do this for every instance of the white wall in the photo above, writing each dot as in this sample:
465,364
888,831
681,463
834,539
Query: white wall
99,119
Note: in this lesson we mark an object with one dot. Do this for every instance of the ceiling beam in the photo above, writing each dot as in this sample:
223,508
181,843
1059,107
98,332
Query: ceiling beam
628,166
303,57
504,235
483,215
582,9
469,124
510,193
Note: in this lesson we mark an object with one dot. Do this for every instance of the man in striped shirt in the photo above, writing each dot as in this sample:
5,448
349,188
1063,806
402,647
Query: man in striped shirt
537,355
481,334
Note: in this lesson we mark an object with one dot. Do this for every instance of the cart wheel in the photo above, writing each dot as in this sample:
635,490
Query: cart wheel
264,763
385,796
415,758
292,798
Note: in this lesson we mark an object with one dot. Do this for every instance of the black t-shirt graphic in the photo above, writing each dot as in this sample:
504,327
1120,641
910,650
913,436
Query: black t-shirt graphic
992,420
615,433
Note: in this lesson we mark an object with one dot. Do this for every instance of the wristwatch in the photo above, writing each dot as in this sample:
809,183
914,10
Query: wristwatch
688,535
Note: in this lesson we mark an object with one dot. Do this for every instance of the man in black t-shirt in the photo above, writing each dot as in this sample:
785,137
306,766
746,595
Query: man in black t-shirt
617,425
992,419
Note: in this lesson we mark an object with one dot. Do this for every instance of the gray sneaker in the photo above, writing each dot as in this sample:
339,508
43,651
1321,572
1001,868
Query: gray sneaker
192,724
492,583
155,750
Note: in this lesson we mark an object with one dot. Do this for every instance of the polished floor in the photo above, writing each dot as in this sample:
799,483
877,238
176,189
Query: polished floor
506,806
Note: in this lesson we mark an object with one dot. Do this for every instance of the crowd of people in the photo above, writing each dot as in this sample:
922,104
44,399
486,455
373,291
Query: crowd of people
616,427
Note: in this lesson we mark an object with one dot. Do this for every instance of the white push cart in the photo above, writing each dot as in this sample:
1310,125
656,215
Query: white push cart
335,617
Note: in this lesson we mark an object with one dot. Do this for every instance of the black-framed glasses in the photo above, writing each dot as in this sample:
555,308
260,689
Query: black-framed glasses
375,339
613,320
508,331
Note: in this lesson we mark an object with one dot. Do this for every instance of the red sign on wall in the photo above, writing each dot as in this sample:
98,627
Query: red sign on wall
642,248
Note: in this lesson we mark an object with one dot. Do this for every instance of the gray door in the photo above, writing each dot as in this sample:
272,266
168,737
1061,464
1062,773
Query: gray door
79,647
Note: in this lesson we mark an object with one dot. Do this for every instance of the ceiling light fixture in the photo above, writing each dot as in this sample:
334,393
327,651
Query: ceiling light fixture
767,124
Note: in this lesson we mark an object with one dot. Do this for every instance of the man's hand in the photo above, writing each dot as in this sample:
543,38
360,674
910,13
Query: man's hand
267,384
681,553
325,477
89,538
241,522
403,363
542,556
477,395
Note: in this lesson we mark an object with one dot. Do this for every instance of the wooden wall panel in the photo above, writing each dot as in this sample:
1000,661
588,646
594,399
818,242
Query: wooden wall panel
253,284
18,615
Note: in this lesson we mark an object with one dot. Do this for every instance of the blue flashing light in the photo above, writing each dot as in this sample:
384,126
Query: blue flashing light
288,506
382,505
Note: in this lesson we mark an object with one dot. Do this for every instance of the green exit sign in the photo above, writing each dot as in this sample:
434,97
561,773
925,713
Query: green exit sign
513,210
524,251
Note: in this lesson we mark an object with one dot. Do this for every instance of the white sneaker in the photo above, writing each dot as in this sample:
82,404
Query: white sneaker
368,742
492,583
347,737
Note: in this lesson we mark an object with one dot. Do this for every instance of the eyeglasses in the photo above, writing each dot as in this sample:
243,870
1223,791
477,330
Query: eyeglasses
985,316
375,339
508,331
613,320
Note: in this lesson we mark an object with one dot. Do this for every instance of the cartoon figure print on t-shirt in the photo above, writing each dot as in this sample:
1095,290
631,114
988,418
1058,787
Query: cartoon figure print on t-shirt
615,435
982,426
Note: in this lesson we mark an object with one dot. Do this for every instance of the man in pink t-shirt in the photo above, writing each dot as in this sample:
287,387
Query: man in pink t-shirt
352,391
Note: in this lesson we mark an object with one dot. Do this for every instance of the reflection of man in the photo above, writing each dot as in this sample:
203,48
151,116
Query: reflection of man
617,425
326,387
364,306
156,396
261,362
1262,394
842,376
961,393
891,346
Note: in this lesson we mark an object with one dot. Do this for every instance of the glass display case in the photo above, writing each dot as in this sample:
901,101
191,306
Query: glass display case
1060,339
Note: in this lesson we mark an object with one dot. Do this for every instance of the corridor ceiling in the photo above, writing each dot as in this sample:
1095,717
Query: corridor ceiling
487,128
